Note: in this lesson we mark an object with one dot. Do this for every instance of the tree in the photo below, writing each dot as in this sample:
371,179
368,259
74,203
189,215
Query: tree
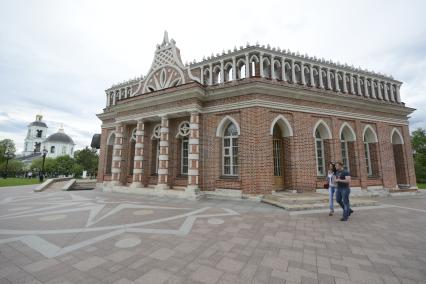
88,160
64,165
418,139
13,167
6,146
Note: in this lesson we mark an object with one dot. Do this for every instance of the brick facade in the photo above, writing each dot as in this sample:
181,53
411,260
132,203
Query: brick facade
251,104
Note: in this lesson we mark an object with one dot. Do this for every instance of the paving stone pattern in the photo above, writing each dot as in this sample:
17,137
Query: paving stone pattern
102,240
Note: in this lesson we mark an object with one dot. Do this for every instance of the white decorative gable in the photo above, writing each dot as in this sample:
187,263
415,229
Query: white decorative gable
166,70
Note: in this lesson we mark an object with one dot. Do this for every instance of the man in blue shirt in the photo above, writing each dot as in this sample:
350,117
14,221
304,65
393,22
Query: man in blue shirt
343,180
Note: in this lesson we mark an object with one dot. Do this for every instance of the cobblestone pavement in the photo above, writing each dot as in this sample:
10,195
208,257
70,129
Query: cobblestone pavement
95,237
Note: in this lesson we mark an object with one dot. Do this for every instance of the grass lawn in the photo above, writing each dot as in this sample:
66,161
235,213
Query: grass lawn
421,185
17,181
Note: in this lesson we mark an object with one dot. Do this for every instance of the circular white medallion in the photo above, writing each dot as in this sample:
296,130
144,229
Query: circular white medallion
128,242
215,221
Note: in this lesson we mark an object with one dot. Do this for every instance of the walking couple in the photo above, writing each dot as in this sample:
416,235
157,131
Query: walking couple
339,178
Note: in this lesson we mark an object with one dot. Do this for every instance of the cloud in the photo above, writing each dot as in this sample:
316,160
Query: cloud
58,57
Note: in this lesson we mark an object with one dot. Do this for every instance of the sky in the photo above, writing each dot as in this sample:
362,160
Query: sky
58,57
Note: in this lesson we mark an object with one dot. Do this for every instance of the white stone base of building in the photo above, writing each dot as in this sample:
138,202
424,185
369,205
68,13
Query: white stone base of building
191,195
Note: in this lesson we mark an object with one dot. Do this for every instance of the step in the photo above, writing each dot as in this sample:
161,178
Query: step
355,202
297,198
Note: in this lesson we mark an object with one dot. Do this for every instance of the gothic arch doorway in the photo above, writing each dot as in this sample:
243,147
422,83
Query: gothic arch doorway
281,132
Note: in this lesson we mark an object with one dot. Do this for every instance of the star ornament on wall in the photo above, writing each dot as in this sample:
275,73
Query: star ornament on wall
103,218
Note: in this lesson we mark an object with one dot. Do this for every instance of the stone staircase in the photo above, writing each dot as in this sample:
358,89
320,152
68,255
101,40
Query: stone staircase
83,185
56,186
309,201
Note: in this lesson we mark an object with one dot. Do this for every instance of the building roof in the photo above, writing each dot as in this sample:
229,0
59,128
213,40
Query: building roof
60,137
37,123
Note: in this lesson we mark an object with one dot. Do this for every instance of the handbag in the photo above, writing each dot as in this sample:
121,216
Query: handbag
326,185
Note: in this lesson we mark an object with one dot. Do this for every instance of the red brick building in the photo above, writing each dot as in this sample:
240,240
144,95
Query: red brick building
251,121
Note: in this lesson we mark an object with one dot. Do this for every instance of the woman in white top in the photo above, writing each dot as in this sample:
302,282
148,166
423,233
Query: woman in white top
331,179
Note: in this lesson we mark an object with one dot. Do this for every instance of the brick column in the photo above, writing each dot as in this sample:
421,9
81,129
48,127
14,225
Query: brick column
139,153
117,154
194,153
163,166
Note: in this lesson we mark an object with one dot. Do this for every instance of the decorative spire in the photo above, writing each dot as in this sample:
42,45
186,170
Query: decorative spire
165,38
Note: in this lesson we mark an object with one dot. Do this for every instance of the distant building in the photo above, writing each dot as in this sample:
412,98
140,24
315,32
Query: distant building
57,144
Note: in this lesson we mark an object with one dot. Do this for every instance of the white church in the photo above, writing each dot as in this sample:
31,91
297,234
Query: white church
56,144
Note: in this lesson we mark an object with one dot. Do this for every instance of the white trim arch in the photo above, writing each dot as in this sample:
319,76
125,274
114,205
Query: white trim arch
109,138
224,123
284,124
351,136
399,139
324,129
366,128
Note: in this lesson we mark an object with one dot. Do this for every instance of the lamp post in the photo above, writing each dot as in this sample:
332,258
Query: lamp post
8,156
41,176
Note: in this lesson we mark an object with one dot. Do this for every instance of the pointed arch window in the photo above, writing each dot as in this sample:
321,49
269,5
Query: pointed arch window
230,151
345,152
319,152
184,130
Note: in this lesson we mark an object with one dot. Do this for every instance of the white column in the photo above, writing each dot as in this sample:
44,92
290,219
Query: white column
336,80
366,87
373,93
107,100
210,74
194,154
283,76
351,78
328,79
261,65
311,74
139,154
163,159
379,90
272,68
234,69
247,66
345,85
358,80
293,72
202,75
302,73
113,98
392,95
386,96
222,73
398,95
321,82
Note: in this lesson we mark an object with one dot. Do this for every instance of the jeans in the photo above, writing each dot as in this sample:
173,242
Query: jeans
342,197
331,191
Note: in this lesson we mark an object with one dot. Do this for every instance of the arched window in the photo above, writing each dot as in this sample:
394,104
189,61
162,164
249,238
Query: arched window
52,149
369,139
242,72
156,133
132,151
321,133
277,144
184,146
319,151
39,133
64,150
345,152
230,150
109,153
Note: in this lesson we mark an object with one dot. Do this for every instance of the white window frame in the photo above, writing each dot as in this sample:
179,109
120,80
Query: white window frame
184,161
368,158
232,139
319,173
345,151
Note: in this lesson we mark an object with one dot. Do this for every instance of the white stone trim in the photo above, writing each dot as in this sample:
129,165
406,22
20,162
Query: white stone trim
300,108
164,143
137,171
193,156
280,119
220,128
138,158
320,121
115,170
117,147
163,171
139,145
194,126
368,126
163,157
140,132
116,158
194,141
193,172
399,134
345,124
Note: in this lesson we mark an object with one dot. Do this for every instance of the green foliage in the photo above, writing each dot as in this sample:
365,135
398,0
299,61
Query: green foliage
14,167
17,181
77,170
6,146
64,165
88,160
418,139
